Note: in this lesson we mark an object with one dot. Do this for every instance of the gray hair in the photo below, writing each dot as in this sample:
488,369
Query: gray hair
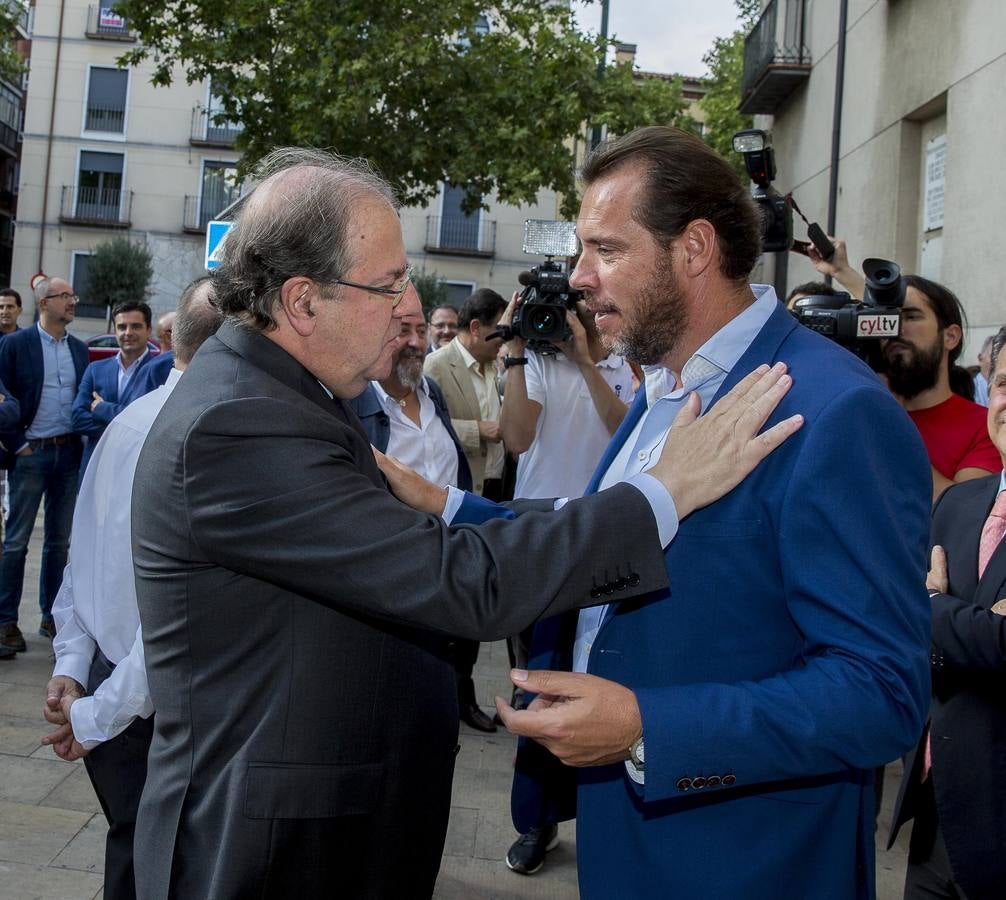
197,319
294,223
41,288
998,341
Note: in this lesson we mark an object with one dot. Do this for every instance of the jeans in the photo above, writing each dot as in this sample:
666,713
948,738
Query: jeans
50,471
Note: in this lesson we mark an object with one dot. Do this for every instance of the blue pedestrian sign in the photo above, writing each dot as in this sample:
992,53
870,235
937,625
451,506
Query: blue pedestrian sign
215,234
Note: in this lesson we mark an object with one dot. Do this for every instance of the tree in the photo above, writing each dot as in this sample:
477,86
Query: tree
119,270
424,91
11,61
432,290
726,66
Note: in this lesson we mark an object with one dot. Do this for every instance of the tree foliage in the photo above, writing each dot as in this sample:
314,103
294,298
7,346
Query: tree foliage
418,88
11,61
119,270
432,290
725,60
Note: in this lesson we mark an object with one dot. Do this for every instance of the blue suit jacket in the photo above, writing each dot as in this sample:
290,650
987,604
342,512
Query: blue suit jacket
103,376
788,659
376,423
22,370
10,412
154,373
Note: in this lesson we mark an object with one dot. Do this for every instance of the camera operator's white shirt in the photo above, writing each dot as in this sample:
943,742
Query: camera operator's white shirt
569,436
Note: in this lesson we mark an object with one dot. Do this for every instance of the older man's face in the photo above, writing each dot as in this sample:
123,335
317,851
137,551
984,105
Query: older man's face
997,406
59,305
408,361
443,325
358,331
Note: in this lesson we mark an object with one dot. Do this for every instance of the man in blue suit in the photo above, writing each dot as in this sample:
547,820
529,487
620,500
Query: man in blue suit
41,366
724,730
110,385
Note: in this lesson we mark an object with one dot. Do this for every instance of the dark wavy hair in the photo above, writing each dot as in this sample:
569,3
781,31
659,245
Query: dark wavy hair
686,180
948,311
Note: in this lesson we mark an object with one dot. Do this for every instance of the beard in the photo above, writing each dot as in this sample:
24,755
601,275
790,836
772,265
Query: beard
909,375
657,321
409,369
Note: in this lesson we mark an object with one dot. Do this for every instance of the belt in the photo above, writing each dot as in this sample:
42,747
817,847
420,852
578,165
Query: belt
55,441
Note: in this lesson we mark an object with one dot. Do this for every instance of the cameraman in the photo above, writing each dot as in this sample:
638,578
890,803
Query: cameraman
559,413
922,372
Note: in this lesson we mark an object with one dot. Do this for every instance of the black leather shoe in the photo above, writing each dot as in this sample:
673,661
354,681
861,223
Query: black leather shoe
527,855
10,636
473,716
47,629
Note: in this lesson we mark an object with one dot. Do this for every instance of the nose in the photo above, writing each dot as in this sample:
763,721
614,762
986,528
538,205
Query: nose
410,305
583,275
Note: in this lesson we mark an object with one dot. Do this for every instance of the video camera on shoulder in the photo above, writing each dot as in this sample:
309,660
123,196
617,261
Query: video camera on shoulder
540,318
856,325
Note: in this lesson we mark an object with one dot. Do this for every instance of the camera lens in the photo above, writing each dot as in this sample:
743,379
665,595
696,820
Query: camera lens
542,322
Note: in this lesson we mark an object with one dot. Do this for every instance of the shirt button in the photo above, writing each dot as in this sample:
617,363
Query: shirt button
641,455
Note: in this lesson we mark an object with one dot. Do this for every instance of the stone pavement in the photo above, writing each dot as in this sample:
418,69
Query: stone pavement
52,830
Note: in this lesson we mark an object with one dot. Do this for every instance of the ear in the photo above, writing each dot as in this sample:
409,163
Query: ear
296,297
952,335
698,241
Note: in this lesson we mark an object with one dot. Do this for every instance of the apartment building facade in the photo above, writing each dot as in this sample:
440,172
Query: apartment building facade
106,153
919,128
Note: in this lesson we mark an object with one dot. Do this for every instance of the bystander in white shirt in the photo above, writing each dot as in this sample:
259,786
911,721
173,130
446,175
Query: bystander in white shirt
95,608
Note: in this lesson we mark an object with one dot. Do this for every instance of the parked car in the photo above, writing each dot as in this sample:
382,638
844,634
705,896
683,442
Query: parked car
102,346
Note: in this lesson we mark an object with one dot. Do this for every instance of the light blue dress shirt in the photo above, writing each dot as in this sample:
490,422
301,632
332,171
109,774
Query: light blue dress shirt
59,387
703,373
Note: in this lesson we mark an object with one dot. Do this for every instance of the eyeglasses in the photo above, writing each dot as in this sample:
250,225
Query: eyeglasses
64,295
396,293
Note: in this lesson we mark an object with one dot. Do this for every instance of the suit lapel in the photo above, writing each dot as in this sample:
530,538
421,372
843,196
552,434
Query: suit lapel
463,380
989,589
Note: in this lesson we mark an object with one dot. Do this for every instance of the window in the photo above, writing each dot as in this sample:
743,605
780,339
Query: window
106,100
458,230
99,186
459,291
86,306
222,131
220,189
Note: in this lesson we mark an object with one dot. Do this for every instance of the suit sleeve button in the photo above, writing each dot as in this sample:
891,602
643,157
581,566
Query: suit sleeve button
699,782
684,784
633,580
713,781
595,592
621,584
608,588
729,780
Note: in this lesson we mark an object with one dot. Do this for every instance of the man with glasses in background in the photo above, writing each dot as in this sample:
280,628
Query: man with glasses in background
42,367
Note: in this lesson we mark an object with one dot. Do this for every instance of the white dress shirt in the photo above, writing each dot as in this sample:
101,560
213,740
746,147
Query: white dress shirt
126,373
426,447
95,608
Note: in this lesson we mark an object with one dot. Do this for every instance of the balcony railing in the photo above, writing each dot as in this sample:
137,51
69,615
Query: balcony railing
776,58
197,213
209,133
105,24
460,235
99,207
105,118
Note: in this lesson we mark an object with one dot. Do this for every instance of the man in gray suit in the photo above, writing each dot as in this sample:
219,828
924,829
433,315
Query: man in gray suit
294,613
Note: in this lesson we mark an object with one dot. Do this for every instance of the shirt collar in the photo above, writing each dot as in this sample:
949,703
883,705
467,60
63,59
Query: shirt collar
132,365
467,357
48,337
724,349
386,398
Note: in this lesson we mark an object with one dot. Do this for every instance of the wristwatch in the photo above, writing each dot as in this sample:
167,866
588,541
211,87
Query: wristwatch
510,361
636,754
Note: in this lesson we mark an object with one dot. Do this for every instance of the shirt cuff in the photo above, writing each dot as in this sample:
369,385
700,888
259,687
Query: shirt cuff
454,500
662,504
85,729
74,666
637,775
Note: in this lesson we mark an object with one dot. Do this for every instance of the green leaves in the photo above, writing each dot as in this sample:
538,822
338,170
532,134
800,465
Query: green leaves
119,270
414,87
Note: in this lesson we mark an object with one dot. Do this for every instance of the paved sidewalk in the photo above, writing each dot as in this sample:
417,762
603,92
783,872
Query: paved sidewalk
52,831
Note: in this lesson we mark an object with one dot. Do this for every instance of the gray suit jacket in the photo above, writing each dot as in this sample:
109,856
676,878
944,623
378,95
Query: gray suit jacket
306,727
447,367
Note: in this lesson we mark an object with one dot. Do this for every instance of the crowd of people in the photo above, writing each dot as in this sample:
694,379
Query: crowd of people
719,618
